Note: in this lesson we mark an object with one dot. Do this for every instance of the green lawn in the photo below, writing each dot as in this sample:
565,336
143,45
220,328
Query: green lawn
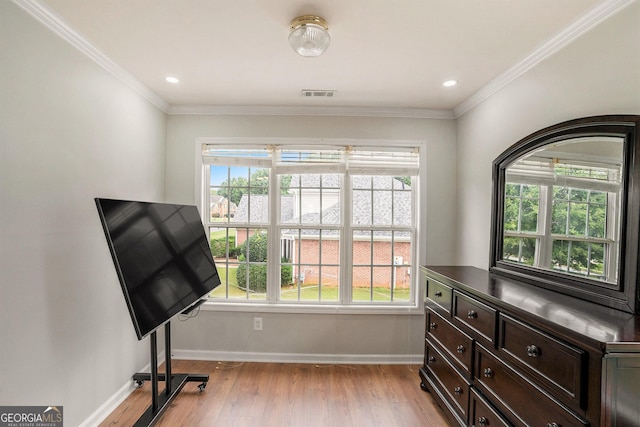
307,293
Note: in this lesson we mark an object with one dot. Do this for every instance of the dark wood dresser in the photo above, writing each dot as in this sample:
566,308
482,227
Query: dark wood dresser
499,352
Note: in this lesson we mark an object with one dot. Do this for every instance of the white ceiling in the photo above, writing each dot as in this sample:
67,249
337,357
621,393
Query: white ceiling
384,54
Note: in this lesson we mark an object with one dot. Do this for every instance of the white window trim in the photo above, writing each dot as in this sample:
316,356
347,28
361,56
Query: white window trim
416,306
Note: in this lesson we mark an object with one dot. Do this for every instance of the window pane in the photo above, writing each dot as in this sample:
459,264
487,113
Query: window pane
362,182
597,221
382,266
240,193
529,221
512,190
511,212
520,250
253,209
578,195
381,200
241,262
223,242
521,208
310,270
596,260
560,255
511,249
381,207
577,219
382,182
559,217
402,201
361,207
560,193
580,258
530,191
310,199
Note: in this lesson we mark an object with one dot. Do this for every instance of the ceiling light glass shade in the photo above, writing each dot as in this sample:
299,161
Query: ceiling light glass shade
309,35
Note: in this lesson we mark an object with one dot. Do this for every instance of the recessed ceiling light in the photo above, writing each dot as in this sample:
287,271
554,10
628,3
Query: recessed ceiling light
450,83
172,79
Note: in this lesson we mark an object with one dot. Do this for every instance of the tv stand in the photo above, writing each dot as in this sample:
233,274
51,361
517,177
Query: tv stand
160,402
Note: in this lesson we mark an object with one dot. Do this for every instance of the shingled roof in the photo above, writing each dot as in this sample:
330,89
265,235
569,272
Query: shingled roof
362,202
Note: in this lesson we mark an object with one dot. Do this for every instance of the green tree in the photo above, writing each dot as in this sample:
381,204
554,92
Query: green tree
406,180
258,184
234,189
581,213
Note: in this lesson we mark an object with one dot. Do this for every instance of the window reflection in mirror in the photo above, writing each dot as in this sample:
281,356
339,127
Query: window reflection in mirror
562,207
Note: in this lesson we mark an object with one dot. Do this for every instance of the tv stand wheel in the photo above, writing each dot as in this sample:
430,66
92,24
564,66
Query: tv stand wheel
138,383
202,387
423,386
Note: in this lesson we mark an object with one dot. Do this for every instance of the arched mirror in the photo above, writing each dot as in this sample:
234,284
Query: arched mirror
566,210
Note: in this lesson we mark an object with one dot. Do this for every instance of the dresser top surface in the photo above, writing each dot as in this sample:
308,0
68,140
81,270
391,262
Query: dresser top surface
606,326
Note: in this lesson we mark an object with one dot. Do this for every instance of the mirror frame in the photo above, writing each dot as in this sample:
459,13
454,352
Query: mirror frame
626,295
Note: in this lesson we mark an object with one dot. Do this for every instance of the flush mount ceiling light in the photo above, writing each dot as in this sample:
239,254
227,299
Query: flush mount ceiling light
309,35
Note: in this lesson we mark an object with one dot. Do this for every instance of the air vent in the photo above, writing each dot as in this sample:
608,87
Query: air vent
318,93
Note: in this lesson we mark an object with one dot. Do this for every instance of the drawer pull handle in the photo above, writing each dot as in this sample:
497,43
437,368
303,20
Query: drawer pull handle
553,425
438,294
460,348
533,351
482,421
433,325
472,314
432,359
457,391
488,372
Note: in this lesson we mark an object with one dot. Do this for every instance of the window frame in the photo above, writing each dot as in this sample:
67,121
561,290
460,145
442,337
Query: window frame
344,304
545,237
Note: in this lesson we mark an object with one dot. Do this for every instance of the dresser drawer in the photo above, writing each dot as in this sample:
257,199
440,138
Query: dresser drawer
456,343
481,414
524,403
440,294
558,365
450,382
479,317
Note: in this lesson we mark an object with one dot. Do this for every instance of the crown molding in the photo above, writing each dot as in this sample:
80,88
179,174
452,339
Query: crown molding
56,24
591,19
598,14
247,110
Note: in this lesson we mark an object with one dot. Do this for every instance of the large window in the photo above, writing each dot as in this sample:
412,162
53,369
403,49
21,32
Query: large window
565,222
330,225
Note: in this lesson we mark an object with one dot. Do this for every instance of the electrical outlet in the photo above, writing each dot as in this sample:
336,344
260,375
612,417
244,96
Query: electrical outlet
257,323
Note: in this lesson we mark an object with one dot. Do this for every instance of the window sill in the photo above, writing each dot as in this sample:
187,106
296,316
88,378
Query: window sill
311,308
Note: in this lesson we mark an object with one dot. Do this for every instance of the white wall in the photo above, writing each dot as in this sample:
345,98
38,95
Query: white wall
317,335
599,73
69,132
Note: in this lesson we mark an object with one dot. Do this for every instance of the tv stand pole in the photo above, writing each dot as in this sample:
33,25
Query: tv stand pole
173,382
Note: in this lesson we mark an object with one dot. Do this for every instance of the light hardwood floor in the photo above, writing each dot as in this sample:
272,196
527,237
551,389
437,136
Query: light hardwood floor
291,394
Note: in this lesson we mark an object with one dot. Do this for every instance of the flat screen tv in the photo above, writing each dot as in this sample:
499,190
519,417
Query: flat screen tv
162,257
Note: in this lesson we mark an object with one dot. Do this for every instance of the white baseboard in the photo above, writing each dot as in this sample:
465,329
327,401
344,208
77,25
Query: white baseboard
116,399
109,406
360,359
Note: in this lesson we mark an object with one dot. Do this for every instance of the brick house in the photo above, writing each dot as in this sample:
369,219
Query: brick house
374,261
221,207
